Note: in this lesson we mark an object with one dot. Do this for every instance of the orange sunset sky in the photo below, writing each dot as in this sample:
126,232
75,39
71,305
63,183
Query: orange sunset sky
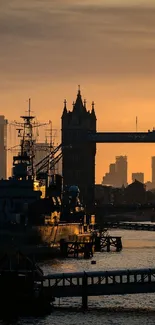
108,47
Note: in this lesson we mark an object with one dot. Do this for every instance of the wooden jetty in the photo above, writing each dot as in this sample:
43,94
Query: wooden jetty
85,246
98,283
76,248
130,225
107,243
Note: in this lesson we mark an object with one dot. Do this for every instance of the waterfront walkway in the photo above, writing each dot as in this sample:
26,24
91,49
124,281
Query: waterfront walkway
130,225
97,283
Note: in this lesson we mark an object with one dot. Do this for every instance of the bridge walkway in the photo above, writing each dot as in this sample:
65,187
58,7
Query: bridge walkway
97,283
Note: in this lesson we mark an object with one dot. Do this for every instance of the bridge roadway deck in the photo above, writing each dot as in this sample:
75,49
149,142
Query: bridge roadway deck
97,283
122,137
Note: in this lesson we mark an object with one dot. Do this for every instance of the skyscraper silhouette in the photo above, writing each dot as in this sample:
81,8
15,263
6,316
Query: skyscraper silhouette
3,149
117,175
138,176
121,170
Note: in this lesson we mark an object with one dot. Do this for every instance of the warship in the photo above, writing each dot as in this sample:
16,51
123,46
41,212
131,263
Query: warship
35,211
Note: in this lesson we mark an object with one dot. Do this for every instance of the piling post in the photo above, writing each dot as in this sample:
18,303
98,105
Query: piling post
118,244
87,250
84,291
76,249
63,248
108,244
97,243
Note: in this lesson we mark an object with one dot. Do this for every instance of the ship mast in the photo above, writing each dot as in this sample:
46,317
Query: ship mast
27,142
24,166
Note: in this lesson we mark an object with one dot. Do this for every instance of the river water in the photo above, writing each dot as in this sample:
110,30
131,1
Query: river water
138,252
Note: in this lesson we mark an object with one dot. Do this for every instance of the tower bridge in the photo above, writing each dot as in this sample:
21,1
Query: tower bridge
79,138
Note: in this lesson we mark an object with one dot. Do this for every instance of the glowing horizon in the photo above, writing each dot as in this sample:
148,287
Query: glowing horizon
106,46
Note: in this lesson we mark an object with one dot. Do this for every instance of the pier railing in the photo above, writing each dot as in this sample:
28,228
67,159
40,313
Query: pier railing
97,283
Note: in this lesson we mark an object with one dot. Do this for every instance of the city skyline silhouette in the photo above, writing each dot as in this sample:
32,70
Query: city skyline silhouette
107,47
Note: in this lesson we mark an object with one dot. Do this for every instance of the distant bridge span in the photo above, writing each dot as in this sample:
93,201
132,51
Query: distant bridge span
122,137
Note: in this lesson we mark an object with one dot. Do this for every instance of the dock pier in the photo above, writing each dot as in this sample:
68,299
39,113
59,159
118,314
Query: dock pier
86,246
24,284
106,243
76,248
99,283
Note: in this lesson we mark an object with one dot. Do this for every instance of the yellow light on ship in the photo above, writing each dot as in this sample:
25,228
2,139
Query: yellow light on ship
37,187
92,219
42,189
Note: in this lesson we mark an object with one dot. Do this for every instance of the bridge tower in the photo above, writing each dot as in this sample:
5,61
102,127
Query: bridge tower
78,163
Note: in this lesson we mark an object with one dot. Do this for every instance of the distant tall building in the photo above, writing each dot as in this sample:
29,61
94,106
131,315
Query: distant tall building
117,175
121,170
112,169
3,147
41,151
138,177
110,178
153,170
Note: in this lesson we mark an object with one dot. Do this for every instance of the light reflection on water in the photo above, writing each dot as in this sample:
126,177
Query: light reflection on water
138,252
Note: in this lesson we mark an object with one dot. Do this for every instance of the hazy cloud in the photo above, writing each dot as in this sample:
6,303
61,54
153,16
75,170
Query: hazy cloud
106,45
62,38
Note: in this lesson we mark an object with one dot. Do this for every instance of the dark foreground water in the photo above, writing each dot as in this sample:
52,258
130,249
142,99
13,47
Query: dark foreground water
138,252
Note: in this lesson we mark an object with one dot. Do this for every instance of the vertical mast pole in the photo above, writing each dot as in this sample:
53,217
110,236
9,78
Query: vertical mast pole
29,107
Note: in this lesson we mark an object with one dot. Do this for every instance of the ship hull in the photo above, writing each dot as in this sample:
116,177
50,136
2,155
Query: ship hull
39,242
